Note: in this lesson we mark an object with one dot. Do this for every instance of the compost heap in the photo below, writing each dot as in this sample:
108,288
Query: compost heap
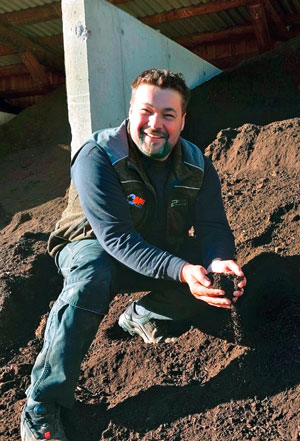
206,386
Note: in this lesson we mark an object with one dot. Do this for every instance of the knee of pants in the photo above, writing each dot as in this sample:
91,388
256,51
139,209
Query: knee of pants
88,274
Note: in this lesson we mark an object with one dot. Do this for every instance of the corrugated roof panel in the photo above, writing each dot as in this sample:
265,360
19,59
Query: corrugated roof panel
42,29
287,7
17,5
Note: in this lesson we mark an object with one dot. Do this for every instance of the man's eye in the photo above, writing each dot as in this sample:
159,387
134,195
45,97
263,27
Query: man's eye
145,111
169,116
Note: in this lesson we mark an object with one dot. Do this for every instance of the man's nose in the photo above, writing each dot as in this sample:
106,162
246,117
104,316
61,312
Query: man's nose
155,121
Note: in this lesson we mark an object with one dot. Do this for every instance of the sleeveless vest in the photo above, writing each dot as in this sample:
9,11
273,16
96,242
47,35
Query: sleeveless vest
182,188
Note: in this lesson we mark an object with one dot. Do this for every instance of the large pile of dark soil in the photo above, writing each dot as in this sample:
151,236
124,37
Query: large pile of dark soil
205,386
259,91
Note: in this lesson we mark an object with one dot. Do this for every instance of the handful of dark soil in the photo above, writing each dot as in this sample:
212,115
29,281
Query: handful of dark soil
227,282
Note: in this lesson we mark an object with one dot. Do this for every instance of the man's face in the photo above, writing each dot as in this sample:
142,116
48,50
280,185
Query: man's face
156,120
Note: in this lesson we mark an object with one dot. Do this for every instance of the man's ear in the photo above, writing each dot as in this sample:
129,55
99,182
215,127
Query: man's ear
183,121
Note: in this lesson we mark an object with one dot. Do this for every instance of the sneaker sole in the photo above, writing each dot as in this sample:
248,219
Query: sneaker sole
134,328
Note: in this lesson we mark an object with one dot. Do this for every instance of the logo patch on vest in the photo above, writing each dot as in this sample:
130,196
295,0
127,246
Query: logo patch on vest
135,200
176,202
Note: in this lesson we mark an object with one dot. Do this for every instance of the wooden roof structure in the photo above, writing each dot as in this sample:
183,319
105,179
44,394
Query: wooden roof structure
223,32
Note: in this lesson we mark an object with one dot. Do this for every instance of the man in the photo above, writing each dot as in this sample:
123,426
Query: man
135,194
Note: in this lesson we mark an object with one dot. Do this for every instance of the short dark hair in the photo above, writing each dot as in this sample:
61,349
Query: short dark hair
166,80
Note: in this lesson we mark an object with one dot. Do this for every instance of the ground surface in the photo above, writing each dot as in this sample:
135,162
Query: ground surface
206,386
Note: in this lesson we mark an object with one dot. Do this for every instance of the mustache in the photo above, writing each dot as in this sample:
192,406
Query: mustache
154,132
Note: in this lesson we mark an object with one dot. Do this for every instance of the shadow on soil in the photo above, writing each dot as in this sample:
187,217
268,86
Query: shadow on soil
270,325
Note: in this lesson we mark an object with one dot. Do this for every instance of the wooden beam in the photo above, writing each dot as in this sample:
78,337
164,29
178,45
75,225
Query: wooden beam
7,49
13,70
32,15
8,35
192,11
51,40
277,21
207,37
22,86
36,70
241,49
260,24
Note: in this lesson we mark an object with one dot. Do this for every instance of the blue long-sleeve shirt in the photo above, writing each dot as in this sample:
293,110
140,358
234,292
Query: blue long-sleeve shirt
106,208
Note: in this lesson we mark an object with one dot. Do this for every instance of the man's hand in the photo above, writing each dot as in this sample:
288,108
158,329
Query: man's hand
199,284
229,267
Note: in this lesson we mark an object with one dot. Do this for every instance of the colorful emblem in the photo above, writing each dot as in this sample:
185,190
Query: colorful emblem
135,200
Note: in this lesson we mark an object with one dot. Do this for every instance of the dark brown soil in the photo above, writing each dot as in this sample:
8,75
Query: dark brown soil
227,282
205,386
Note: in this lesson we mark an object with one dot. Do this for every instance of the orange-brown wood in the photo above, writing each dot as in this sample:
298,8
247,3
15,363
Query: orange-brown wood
206,37
7,49
261,28
36,70
192,11
32,15
8,35
51,40
13,70
227,54
21,86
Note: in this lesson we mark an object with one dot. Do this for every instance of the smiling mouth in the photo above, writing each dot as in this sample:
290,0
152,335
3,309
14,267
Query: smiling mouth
155,135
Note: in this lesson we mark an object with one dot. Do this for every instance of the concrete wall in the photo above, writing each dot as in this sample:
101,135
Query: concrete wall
105,49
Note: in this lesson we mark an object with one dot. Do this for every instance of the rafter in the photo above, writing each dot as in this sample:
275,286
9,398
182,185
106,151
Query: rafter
51,40
206,37
261,28
192,11
22,86
13,70
8,35
36,70
7,49
32,15
228,53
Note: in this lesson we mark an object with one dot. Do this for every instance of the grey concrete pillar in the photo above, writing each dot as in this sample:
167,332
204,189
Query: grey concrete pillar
105,49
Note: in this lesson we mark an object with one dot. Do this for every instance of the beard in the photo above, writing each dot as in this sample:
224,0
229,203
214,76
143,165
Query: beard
151,148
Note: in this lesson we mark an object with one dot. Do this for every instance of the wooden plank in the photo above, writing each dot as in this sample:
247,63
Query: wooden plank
261,28
36,70
192,11
206,37
22,86
51,40
216,53
7,49
23,44
32,15
13,70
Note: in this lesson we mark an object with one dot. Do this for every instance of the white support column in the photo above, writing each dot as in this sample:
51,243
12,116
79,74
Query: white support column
105,49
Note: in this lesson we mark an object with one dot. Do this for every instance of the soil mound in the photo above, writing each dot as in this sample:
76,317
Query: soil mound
258,91
41,126
205,386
